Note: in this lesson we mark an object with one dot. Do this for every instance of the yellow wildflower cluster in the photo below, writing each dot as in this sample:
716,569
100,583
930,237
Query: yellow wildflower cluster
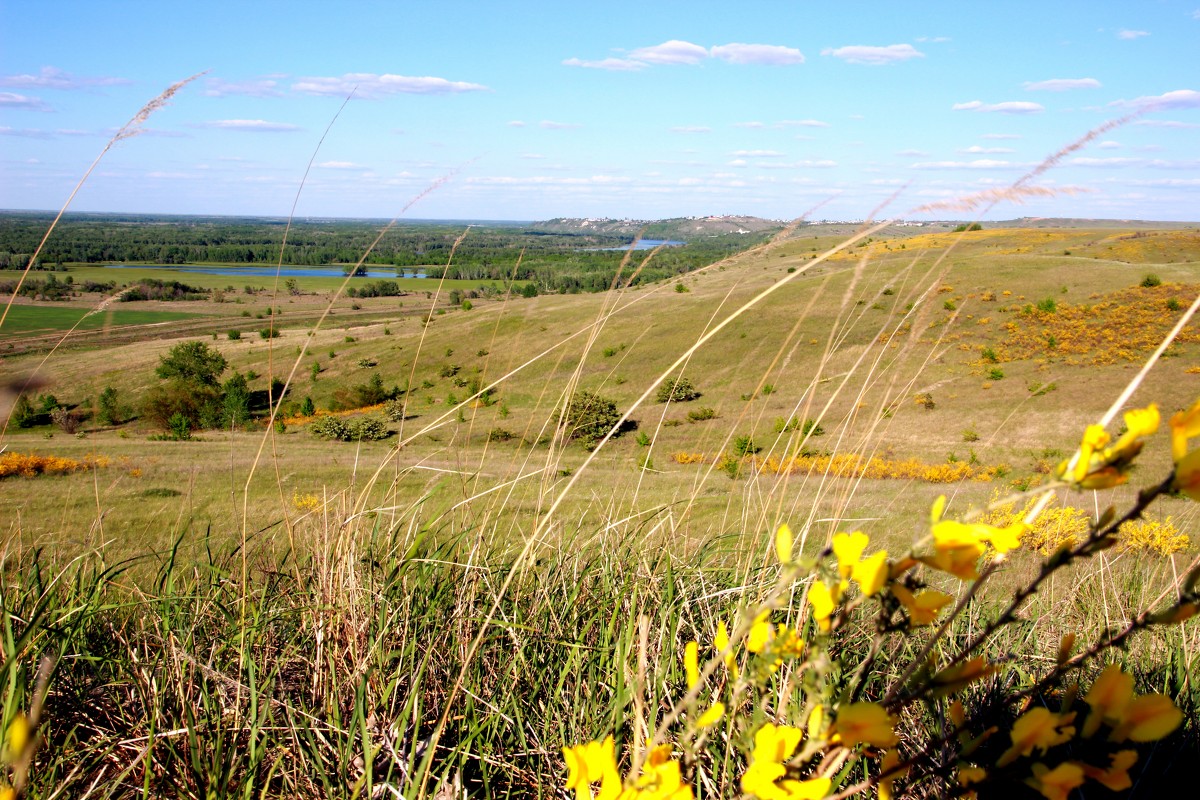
849,465
1122,326
1113,707
306,502
1066,526
596,762
28,465
1053,751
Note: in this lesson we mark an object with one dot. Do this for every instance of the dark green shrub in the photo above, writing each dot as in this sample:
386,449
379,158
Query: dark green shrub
268,333
368,429
329,428
1151,280
108,410
701,414
744,446
677,391
589,417
234,335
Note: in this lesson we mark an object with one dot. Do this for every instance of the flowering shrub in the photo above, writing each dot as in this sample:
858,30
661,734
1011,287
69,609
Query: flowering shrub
27,465
815,709
850,465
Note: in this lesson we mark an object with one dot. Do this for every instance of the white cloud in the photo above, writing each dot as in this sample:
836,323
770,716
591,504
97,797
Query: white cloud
1166,123
982,163
754,125
256,88
532,156
874,56
516,123
25,133
671,52
366,84
1061,84
823,163
253,125
757,154
1010,107
691,129
610,64
976,149
14,100
737,162
54,78
912,153
550,125
1170,101
340,165
933,39
772,55
1109,145
1000,136
1128,34
1084,161
801,123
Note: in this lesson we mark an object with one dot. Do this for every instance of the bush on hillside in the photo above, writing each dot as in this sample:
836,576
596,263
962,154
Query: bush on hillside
676,391
589,417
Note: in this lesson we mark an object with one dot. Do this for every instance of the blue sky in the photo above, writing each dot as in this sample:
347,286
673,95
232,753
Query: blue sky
530,110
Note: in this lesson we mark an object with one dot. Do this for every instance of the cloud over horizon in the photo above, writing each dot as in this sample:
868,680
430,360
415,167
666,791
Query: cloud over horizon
874,56
1009,107
1062,84
371,85
250,125
54,78
676,52
14,100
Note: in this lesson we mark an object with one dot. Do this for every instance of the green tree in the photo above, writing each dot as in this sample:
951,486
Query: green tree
236,401
192,362
109,410
23,413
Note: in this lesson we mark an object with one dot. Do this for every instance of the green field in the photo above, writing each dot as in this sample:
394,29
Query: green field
42,318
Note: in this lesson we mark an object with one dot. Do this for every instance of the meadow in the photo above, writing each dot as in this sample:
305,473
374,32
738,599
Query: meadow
256,611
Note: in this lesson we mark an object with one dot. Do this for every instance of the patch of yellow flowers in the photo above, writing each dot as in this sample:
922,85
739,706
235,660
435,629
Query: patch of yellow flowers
1053,751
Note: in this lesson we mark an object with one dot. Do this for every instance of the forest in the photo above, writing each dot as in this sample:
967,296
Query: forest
555,262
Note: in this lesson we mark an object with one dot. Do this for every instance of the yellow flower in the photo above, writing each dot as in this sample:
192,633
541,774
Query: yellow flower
783,544
922,608
1185,425
865,723
760,633
660,779
1100,467
1037,729
888,774
775,743
16,739
8,793
1116,777
848,548
1139,423
971,775
1108,698
721,642
712,716
815,724
957,548
589,763
871,573
1187,475
1094,438
823,603
691,664
1057,783
1148,718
